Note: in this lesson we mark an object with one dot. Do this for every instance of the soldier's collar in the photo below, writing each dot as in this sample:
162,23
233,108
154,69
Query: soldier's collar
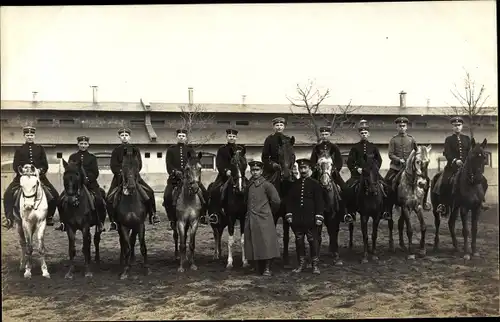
402,134
257,182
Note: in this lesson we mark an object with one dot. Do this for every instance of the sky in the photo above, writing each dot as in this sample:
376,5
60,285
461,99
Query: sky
365,53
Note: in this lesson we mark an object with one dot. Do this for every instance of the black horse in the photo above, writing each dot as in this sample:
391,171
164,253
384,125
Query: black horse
131,213
282,179
468,192
231,206
76,213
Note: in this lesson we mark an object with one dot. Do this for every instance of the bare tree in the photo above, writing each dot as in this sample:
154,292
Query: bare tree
196,121
472,101
309,99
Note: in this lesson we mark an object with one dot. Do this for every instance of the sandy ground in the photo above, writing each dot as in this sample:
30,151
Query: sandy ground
441,284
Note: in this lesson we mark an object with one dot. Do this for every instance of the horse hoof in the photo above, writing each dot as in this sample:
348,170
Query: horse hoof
46,275
89,275
193,267
229,266
364,261
181,270
245,264
422,253
375,257
476,254
339,263
411,257
467,257
27,275
123,276
148,271
68,276
216,257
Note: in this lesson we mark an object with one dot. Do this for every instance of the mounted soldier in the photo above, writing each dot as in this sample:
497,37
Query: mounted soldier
356,162
29,153
145,190
175,161
456,148
87,162
304,206
270,156
333,150
223,162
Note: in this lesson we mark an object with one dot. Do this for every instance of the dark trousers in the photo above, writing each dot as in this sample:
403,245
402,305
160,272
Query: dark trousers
312,235
390,175
9,198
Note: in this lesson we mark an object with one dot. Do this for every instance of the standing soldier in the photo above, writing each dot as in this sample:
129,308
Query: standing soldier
116,167
333,151
304,206
88,163
456,148
30,153
356,162
270,156
261,239
175,161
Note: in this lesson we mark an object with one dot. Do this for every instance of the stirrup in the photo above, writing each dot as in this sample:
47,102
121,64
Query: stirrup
348,219
386,215
213,219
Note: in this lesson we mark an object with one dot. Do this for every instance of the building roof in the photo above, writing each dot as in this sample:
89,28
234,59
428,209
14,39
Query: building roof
255,137
218,108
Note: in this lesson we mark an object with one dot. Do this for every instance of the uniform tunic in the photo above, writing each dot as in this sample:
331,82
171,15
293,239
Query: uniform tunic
177,158
456,147
304,201
357,153
88,162
400,147
271,146
261,239
333,151
223,159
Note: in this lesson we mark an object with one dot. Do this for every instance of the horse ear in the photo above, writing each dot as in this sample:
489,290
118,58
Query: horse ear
20,169
243,150
473,142
200,155
429,148
292,140
483,145
65,164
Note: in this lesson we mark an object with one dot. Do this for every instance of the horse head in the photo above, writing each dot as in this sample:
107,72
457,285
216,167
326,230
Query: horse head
369,178
72,181
29,182
417,164
130,170
238,166
474,164
192,172
286,156
325,165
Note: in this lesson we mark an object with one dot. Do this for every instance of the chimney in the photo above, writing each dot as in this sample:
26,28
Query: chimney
94,93
34,97
243,98
402,99
428,102
190,95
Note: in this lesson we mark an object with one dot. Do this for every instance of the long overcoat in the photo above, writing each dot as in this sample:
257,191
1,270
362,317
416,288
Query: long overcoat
261,239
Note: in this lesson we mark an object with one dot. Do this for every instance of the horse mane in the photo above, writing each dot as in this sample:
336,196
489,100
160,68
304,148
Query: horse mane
411,159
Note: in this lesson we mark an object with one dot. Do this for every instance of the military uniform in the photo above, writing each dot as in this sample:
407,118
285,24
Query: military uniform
30,153
270,156
332,150
116,168
88,162
400,147
304,204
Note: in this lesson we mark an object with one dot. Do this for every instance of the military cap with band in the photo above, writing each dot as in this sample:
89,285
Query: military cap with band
256,164
182,131
83,138
124,130
279,120
232,131
401,120
363,127
457,120
303,162
29,130
324,129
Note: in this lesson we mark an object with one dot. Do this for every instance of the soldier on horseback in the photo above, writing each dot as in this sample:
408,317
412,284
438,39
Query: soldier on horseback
304,208
88,164
355,163
29,153
456,148
270,156
333,151
145,190
175,161
223,162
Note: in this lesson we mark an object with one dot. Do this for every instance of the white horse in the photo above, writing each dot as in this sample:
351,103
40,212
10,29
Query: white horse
33,209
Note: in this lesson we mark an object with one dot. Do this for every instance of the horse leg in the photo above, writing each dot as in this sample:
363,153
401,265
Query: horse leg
451,226
351,231
215,230
364,231
192,238
437,223
86,249
22,243
286,241
465,232
97,241
144,250
41,248
173,225
220,231
390,224
474,219
230,243
181,230
320,231
405,213
423,229
401,227
334,240
124,235
375,223
71,251
133,239
242,233
28,234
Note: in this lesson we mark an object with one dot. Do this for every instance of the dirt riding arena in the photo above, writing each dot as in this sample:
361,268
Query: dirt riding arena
441,284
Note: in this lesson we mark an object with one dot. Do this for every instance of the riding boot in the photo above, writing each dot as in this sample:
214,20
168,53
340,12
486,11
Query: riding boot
8,206
112,224
302,265
175,195
50,214
315,265
267,269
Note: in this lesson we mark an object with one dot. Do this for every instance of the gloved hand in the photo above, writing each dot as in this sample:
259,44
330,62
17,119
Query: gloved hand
288,217
276,166
402,161
228,173
459,163
359,170
319,220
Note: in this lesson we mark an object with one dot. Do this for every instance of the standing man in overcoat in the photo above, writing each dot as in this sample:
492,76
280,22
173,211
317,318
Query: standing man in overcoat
261,238
304,206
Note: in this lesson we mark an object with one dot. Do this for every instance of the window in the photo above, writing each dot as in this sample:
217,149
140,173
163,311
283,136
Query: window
147,155
208,161
5,121
487,159
242,122
66,121
348,125
158,122
137,123
297,123
103,161
45,121
421,124
59,155
7,167
490,125
223,122
345,156
441,162
159,155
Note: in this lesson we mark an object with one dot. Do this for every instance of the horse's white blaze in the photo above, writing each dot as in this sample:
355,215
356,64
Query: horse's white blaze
243,257
240,183
230,243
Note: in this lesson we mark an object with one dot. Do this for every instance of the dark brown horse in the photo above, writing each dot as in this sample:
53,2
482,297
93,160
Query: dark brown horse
233,208
282,179
467,195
